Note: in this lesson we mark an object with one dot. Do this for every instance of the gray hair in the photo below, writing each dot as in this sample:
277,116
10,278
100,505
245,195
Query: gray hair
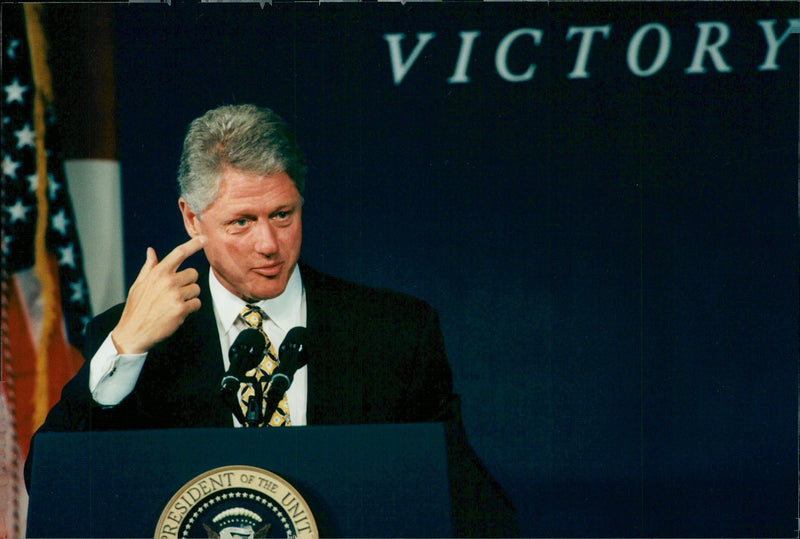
245,137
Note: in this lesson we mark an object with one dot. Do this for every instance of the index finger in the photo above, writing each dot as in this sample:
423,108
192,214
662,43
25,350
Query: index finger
182,252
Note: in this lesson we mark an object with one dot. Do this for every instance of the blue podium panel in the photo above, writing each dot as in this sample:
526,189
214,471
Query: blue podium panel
358,480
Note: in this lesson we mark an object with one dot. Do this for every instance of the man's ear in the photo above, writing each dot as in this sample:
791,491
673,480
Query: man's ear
191,220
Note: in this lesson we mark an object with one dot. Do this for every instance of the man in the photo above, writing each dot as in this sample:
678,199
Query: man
157,361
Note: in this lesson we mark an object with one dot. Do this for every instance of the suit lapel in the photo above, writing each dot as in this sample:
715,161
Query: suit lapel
335,368
335,383
201,336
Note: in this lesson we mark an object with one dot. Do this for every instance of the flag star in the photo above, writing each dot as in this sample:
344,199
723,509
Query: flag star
60,222
11,51
18,211
10,166
52,186
6,243
33,182
15,92
77,291
25,137
67,256
84,322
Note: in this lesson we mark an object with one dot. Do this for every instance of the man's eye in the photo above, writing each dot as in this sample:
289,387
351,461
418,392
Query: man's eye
238,223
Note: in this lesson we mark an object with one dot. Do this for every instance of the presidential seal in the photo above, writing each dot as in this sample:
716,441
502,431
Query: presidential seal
237,502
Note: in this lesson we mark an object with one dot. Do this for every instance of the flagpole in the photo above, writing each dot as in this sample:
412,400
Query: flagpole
37,44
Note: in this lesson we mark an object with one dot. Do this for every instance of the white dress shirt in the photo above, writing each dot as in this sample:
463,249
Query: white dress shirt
113,376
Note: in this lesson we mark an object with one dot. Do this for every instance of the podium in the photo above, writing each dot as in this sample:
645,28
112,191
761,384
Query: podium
357,480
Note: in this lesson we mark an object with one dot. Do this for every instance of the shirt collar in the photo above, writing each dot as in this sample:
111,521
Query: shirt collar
282,310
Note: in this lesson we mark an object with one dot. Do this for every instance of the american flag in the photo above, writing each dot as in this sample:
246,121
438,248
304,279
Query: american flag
20,181
45,303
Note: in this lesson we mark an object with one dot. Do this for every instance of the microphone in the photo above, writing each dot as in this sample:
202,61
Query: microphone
244,354
292,355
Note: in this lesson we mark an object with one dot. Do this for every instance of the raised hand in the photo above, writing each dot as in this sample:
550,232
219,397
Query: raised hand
159,300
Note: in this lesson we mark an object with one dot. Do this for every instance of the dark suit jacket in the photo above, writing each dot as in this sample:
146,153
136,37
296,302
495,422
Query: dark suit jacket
374,356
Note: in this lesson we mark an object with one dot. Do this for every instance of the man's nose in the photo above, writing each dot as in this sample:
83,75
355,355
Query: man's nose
266,239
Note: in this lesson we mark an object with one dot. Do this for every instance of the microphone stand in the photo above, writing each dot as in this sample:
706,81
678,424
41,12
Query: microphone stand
254,413
231,399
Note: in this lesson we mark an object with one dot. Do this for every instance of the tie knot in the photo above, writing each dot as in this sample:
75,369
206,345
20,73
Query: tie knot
253,316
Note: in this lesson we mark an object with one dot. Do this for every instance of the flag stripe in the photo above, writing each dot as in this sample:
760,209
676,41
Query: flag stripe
20,360
96,189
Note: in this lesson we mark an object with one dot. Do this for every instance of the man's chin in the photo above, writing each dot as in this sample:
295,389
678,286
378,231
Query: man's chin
275,288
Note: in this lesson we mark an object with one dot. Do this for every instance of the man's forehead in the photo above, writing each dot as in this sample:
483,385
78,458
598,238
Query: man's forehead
243,191
242,185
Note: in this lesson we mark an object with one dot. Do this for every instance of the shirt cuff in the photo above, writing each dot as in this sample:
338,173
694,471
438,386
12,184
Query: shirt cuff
112,376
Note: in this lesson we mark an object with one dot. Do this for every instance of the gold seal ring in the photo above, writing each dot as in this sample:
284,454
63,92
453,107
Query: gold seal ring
241,499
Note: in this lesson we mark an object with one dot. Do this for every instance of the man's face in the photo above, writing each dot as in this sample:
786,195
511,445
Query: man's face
253,232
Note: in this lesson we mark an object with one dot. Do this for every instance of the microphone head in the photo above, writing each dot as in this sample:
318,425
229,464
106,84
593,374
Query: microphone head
246,351
292,352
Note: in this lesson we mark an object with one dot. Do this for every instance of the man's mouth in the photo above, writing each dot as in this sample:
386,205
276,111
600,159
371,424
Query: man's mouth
269,271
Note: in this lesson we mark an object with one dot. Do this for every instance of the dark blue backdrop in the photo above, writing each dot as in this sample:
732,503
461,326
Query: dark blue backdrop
614,258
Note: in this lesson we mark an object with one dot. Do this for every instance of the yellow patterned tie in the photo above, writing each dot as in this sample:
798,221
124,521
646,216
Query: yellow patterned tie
254,318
